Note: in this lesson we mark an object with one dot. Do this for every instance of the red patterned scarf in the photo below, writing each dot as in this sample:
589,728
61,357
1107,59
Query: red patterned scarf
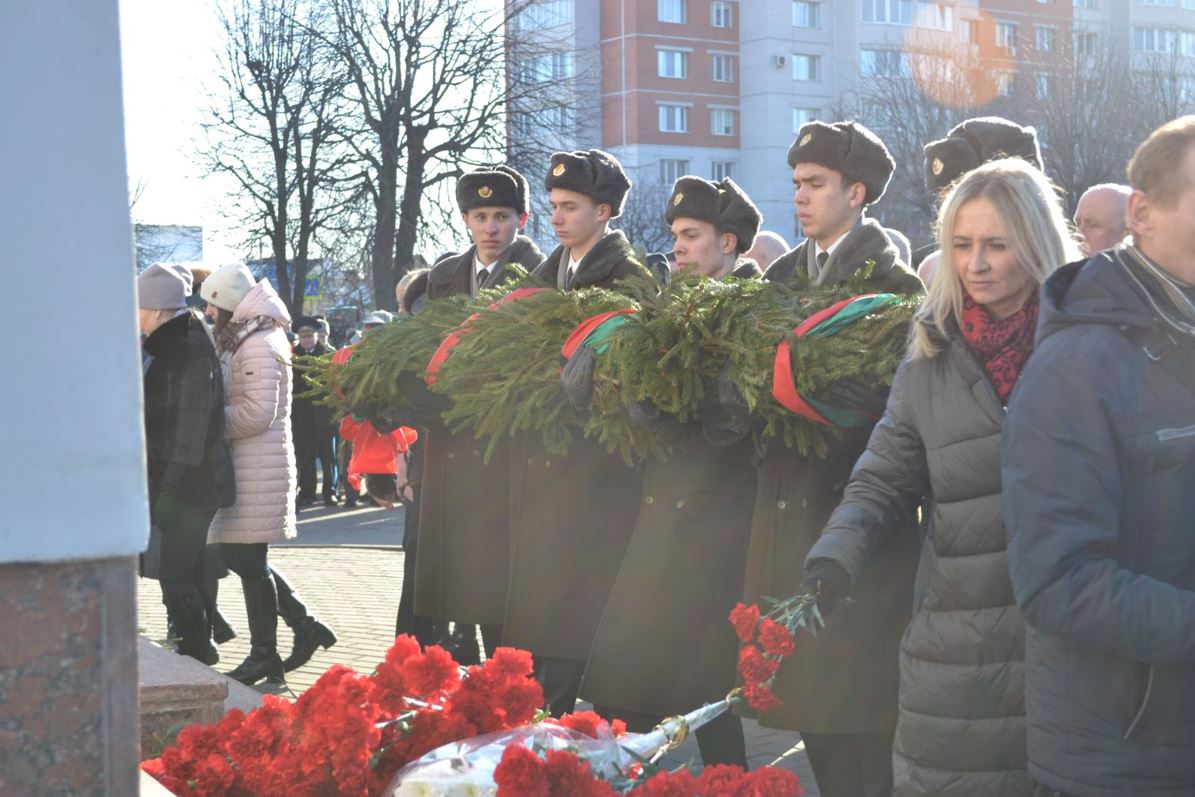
1002,346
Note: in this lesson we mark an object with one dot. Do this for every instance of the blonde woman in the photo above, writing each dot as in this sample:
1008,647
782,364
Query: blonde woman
961,726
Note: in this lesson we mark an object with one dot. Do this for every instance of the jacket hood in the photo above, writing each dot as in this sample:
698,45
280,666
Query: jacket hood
1093,291
262,300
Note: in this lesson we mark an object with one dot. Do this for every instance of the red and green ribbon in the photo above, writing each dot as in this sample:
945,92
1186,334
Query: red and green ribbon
595,332
822,324
453,338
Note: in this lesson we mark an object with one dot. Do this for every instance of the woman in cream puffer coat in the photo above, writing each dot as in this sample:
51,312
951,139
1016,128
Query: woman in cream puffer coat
249,331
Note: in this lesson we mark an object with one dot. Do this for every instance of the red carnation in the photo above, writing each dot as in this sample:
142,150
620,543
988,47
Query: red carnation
744,619
431,673
571,775
760,697
775,781
775,639
521,773
755,667
667,784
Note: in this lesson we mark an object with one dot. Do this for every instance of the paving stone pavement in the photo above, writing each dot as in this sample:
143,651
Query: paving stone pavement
347,567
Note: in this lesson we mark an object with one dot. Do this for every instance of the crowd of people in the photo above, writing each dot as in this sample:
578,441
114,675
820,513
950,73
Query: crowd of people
1004,554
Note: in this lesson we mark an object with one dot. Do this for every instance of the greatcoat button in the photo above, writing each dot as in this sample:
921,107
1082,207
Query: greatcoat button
531,462
451,455
547,463
680,504
804,503
476,453
781,505
649,500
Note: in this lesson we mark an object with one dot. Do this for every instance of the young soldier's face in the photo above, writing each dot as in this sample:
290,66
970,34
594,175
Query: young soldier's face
493,229
827,206
700,248
576,218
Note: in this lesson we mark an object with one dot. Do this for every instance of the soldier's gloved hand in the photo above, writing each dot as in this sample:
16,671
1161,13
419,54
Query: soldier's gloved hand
829,581
577,378
647,415
854,395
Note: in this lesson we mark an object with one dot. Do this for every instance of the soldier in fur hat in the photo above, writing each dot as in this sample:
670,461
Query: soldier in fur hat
571,516
840,689
663,644
461,566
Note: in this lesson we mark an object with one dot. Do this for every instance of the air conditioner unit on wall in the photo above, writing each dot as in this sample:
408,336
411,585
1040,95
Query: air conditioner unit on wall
779,61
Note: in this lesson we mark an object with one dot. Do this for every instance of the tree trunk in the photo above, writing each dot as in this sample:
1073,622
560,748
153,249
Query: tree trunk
409,214
278,236
382,250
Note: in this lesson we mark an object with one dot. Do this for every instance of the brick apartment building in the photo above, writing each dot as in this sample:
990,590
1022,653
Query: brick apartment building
718,87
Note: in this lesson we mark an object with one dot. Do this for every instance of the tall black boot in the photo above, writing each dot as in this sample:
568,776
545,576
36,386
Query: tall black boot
261,604
309,632
188,615
222,631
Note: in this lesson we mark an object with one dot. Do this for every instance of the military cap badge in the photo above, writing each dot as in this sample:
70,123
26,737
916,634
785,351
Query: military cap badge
805,139
485,192
680,197
559,170
937,166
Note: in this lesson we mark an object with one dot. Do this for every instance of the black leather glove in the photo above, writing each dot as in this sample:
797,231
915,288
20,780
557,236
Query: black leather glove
577,378
854,395
829,581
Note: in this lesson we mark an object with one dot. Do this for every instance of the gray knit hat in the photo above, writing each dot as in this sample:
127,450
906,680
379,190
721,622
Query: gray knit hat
722,204
164,286
848,148
492,186
596,174
975,142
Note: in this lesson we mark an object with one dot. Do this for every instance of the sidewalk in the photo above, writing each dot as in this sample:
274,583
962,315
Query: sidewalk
347,566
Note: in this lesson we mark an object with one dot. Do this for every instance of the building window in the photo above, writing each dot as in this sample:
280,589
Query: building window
805,67
1044,35
1085,42
720,170
1006,36
970,31
723,68
1085,4
1004,84
549,66
884,63
722,14
557,118
936,16
894,12
803,116
722,121
671,11
674,118
672,63
545,14
1044,86
806,14
1154,40
672,169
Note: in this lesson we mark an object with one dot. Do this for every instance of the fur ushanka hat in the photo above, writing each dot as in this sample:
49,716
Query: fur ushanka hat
722,204
975,142
492,187
596,174
848,148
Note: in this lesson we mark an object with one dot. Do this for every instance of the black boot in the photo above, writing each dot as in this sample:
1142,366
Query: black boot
309,632
261,604
462,644
188,624
222,631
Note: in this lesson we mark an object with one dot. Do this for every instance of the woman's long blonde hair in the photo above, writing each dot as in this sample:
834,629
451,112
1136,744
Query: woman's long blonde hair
1037,231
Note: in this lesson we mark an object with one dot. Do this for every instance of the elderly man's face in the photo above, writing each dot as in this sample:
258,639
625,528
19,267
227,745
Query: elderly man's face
1100,219
307,339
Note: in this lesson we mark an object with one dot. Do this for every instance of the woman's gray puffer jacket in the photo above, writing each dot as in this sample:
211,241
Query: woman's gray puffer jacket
961,724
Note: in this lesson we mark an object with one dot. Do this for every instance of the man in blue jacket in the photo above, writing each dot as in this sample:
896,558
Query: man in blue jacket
1099,500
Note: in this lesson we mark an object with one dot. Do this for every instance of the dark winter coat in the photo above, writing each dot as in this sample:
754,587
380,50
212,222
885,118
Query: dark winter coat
866,241
845,681
610,260
961,727
464,542
570,516
308,419
1099,470
664,645
187,457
